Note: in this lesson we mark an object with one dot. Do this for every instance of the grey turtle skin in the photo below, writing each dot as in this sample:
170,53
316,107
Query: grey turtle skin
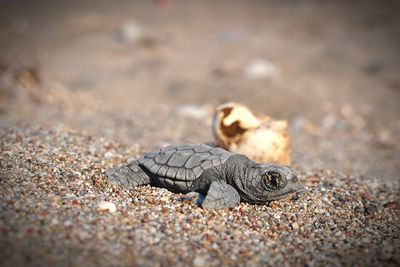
222,177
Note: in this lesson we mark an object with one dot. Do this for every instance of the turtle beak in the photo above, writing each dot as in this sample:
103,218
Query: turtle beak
294,186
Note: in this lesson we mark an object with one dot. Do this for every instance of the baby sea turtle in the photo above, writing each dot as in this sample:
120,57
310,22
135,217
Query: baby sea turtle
222,177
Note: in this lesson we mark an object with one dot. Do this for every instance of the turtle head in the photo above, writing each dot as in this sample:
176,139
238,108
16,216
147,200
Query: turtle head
267,182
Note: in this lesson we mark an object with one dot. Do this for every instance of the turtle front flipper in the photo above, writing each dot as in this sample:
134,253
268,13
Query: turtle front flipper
220,195
128,175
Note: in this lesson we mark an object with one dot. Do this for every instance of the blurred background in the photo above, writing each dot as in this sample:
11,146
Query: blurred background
150,73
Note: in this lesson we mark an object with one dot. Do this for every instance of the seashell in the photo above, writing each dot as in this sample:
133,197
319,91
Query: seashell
259,137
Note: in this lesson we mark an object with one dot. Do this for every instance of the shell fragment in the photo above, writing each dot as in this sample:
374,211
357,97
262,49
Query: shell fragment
261,138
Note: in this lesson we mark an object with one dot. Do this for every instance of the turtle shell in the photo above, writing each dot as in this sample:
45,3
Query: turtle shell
184,163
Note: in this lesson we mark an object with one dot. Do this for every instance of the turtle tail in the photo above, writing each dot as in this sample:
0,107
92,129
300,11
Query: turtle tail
128,175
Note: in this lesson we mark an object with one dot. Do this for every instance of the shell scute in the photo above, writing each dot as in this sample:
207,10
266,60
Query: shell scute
183,163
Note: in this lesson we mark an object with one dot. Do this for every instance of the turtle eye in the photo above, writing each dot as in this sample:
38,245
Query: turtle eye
274,179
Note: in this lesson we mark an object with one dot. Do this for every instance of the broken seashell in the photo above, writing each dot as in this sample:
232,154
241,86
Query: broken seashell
260,138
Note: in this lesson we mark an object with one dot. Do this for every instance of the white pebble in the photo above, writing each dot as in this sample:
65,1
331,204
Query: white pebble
192,111
164,198
319,210
130,32
108,155
199,261
260,69
105,205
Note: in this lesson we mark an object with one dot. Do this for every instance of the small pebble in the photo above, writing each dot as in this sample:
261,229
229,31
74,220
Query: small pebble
319,210
164,198
371,207
106,205
339,197
392,205
192,111
295,226
258,69
108,155
130,32
199,261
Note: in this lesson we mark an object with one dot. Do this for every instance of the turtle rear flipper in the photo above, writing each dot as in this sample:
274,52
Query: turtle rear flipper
221,195
128,175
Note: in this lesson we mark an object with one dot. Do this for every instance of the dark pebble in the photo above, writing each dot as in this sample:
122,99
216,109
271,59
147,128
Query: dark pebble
339,197
392,205
372,207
